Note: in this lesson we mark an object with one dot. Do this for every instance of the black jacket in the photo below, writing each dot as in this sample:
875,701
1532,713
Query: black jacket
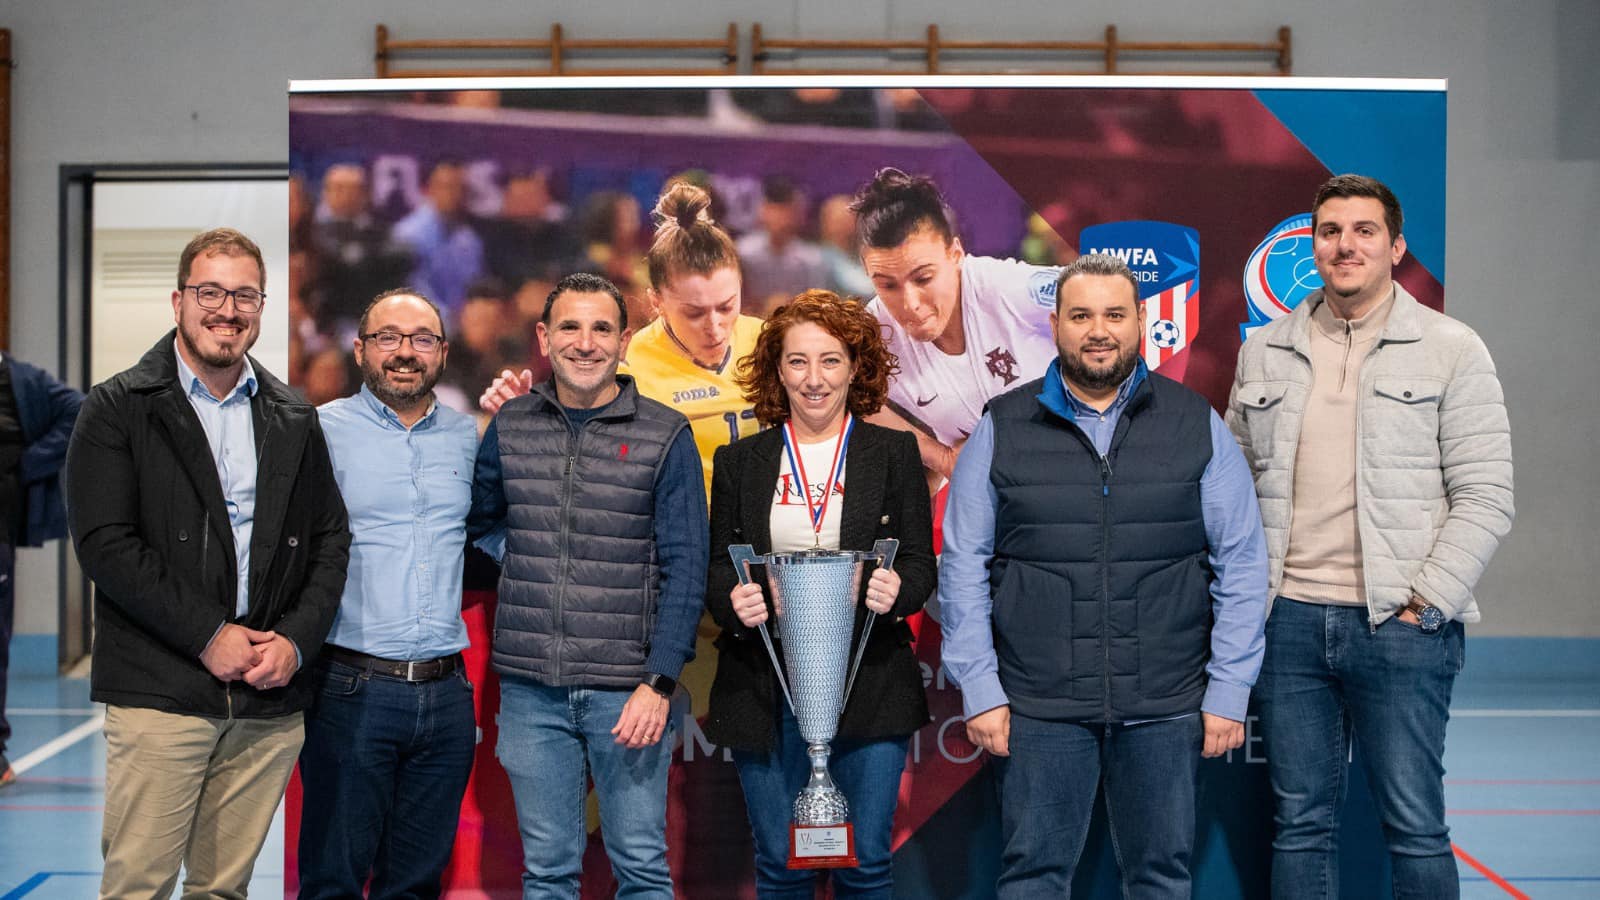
885,496
151,529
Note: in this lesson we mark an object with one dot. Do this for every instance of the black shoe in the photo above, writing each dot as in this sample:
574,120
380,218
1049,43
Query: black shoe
7,774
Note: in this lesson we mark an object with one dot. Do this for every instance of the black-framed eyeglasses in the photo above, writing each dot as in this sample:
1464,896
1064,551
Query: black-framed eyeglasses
210,296
389,341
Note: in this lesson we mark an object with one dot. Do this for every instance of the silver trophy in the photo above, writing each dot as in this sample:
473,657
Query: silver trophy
815,594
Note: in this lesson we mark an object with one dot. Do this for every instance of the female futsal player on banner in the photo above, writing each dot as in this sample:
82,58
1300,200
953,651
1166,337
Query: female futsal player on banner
685,358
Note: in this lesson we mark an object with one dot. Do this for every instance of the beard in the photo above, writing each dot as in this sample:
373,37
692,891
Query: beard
373,377
1077,372
220,358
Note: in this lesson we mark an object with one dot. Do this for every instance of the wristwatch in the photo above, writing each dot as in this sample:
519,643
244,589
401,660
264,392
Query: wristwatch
1429,618
661,684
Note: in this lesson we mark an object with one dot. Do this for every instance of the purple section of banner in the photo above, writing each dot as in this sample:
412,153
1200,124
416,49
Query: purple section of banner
590,152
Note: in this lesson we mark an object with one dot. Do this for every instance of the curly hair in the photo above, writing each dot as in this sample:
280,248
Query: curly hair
844,318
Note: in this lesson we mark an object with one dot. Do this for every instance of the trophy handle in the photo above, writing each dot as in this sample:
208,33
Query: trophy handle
884,551
745,556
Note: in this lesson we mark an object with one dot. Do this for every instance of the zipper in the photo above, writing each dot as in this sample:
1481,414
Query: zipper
1363,387
574,444
1105,584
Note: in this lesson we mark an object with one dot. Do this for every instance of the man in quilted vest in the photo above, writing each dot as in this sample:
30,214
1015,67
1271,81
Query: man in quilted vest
599,497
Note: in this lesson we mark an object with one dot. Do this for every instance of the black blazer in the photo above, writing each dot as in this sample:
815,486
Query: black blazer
885,496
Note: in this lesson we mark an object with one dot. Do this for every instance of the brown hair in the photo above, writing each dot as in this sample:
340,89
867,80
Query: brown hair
1345,186
688,241
226,241
844,318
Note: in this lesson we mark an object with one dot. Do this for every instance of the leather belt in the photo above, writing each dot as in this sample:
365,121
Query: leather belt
406,670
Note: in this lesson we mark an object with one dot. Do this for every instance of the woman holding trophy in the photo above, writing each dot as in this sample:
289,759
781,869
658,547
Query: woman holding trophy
819,478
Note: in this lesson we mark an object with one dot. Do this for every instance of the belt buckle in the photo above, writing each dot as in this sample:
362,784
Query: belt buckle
411,668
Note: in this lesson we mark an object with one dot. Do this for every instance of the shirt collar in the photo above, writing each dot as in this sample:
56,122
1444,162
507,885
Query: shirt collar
192,384
382,411
1057,398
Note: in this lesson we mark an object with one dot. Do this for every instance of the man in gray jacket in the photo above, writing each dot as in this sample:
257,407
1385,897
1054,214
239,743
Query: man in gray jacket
1377,432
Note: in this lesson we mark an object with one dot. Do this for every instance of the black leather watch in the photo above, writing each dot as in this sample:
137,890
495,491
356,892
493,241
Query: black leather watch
1429,618
661,684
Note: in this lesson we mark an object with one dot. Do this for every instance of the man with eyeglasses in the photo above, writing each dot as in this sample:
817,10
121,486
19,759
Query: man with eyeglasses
203,505
390,741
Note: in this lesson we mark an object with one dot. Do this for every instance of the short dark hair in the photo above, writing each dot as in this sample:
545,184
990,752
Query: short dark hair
1361,186
1097,264
366,313
585,283
893,205
226,241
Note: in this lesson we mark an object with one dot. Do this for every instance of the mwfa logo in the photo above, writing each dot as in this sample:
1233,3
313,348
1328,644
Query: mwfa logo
1280,273
1165,261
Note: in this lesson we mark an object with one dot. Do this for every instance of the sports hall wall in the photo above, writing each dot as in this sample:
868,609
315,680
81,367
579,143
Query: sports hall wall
198,81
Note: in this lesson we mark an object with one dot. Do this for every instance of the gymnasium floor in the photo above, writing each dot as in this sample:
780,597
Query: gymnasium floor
1523,784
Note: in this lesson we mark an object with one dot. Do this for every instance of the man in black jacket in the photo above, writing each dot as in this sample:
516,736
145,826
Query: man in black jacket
203,505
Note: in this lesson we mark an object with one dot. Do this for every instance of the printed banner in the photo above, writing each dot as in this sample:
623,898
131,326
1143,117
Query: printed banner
488,196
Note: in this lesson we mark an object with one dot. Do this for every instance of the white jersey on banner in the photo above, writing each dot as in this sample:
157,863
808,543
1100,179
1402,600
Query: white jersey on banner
1005,310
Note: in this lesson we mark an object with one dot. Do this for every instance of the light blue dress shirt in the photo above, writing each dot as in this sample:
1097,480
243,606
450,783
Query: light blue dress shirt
231,432
1237,554
408,492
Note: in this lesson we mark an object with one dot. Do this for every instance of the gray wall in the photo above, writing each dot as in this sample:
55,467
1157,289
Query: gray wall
204,81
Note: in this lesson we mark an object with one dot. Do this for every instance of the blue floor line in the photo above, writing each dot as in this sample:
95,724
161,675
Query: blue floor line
32,884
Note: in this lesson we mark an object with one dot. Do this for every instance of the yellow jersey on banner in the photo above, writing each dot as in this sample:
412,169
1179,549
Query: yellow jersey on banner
711,401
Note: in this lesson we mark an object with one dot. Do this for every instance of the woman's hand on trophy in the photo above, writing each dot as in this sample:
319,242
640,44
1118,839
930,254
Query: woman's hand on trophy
882,589
749,604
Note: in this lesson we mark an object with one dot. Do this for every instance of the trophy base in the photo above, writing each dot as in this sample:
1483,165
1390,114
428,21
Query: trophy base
822,846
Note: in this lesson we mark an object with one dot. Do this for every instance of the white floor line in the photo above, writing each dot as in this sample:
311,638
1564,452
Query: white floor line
54,711
51,748
1525,713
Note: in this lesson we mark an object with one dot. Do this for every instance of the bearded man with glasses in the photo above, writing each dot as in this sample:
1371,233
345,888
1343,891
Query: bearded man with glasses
390,739
203,505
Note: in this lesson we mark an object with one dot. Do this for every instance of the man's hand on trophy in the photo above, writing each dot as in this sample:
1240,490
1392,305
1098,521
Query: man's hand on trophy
510,384
882,589
749,604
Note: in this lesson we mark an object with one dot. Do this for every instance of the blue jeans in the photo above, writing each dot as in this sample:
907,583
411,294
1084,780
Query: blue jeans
1047,791
868,772
384,766
548,736
1328,677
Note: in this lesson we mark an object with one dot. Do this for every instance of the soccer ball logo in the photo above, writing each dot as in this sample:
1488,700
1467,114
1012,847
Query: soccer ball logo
1165,333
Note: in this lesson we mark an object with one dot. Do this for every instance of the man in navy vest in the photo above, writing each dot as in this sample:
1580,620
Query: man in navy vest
600,498
1103,587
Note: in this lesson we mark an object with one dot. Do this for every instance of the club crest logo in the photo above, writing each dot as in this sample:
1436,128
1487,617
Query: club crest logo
1165,260
1002,365
1280,273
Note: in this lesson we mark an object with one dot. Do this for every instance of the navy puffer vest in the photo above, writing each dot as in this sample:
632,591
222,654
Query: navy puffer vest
1100,580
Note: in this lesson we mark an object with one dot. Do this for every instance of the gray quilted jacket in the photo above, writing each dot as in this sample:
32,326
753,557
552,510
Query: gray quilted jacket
1433,486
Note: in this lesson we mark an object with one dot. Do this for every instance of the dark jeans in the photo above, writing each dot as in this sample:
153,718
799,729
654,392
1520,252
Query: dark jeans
867,772
1047,791
1327,678
8,609
384,767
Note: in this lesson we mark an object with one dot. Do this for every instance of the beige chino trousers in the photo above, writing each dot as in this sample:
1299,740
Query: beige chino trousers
191,791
